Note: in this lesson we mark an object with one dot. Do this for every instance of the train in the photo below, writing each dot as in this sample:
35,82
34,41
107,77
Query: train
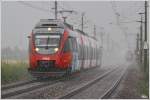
55,48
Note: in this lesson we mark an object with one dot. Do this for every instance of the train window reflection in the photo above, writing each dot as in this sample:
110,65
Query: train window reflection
47,43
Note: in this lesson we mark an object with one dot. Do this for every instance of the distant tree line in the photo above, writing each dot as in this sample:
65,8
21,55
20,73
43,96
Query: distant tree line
15,53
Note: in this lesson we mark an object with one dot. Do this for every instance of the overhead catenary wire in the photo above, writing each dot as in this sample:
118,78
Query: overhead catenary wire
137,7
34,7
117,14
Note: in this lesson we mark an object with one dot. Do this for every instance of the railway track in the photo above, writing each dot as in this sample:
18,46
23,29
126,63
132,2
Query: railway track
16,84
14,90
23,87
106,94
18,88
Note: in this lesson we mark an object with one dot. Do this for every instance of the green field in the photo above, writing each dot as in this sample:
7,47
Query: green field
14,71
144,82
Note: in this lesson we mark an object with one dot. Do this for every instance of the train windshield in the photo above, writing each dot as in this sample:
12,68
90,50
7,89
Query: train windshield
47,44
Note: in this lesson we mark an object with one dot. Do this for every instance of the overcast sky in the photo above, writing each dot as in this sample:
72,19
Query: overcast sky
19,18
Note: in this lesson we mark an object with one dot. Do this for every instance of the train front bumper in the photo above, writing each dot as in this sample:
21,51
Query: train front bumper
46,74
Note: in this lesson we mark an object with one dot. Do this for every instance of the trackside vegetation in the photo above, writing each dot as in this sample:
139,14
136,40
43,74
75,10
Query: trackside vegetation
144,83
14,71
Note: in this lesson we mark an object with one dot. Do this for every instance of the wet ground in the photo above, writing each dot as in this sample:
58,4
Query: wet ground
129,86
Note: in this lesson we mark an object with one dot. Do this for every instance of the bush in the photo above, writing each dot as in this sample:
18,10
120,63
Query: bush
11,72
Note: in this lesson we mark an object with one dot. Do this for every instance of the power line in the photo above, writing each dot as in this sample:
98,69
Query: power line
118,21
33,6
56,11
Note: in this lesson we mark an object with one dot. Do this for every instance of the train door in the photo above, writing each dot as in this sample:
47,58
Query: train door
74,64
82,53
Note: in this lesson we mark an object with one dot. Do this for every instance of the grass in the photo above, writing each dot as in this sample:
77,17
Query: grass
144,83
11,72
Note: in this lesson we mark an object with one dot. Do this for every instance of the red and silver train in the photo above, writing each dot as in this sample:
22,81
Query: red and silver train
55,48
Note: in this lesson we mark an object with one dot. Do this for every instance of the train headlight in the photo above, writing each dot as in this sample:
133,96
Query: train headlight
56,49
49,29
36,49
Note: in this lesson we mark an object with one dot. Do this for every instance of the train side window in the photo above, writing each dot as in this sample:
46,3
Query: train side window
86,52
80,52
97,53
91,53
94,53
74,44
83,52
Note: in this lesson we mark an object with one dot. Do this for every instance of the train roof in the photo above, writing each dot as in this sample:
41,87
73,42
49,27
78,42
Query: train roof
85,34
56,23
44,24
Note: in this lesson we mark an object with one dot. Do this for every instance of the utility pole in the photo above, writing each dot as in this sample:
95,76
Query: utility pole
95,31
65,11
145,39
108,42
141,37
137,47
102,36
137,43
145,21
82,19
55,9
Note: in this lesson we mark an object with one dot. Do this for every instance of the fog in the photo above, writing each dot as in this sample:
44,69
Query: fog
19,18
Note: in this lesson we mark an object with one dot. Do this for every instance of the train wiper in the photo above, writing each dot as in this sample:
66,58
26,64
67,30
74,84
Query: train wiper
47,43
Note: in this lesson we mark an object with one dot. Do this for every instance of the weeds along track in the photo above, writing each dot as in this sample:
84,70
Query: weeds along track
25,86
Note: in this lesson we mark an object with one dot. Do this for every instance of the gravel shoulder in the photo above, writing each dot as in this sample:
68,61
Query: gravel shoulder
59,88
129,86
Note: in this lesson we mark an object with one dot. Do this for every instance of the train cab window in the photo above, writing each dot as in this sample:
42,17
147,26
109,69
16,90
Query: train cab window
47,44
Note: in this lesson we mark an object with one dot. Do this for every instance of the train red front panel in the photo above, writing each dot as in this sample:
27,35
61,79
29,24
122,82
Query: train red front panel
62,60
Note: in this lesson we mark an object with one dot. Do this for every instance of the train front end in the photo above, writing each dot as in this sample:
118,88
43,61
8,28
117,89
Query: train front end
46,45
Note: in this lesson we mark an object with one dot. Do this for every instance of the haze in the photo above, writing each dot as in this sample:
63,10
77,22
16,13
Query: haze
19,18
